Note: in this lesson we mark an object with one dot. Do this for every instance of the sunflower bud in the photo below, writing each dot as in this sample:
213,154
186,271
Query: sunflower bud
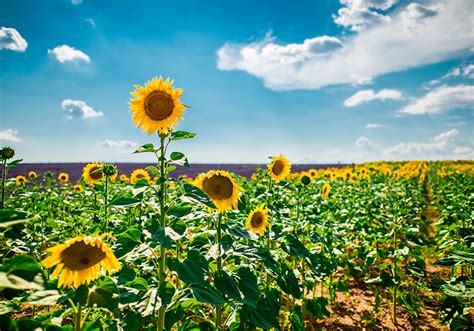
7,152
305,180
109,170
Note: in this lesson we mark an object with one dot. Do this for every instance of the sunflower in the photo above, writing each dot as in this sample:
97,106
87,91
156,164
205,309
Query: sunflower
20,180
257,221
80,260
221,188
279,168
156,106
77,188
63,177
138,174
124,178
326,189
313,173
92,173
33,175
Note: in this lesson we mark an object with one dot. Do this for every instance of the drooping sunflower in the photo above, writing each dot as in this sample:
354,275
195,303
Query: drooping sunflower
92,173
80,260
63,177
156,106
257,221
33,175
326,189
138,174
221,188
279,168
20,180
77,188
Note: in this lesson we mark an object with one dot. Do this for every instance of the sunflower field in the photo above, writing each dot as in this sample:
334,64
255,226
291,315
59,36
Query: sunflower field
382,245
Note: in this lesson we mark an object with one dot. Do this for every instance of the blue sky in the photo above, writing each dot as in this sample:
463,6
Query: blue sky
319,81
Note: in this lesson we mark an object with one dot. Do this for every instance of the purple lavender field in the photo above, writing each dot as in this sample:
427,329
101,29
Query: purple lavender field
75,169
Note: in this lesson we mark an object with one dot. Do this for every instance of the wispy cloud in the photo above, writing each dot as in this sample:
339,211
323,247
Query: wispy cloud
11,39
91,22
374,126
78,108
441,100
9,135
118,144
364,96
405,41
65,53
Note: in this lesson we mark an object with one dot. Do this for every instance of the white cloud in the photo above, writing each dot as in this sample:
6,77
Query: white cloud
443,145
374,126
9,135
369,95
359,14
441,100
415,13
91,22
464,71
65,53
11,39
118,144
78,108
383,48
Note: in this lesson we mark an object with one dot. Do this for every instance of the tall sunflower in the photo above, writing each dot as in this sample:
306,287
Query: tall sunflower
313,173
20,180
80,260
92,173
63,177
77,188
221,188
138,174
326,189
279,168
33,175
156,106
257,221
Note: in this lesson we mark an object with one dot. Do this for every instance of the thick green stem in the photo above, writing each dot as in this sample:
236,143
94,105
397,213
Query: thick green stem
4,177
106,219
162,195
78,321
269,237
219,268
394,299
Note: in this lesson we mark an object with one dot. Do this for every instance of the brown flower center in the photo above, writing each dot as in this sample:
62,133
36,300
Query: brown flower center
257,219
140,176
218,187
158,105
278,167
95,173
81,256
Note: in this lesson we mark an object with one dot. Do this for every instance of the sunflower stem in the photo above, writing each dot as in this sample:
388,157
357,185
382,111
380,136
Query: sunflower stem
77,322
4,177
161,196
219,268
269,237
106,219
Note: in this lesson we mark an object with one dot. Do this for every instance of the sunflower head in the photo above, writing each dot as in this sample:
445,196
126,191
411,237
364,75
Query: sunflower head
92,173
124,178
80,260
63,177
257,221
20,180
33,175
77,188
7,153
313,173
109,170
156,106
279,168
326,189
139,174
221,189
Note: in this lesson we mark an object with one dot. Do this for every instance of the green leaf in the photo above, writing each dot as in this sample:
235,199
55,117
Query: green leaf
195,194
164,236
207,294
227,285
153,170
14,163
18,283
248,286
295,247
104,294
47,297
166,292
288,281
179,135
296,319
179,158
124,201
317,307
127,241
9,217
193,269
147,148
139,283
265,315
180,210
